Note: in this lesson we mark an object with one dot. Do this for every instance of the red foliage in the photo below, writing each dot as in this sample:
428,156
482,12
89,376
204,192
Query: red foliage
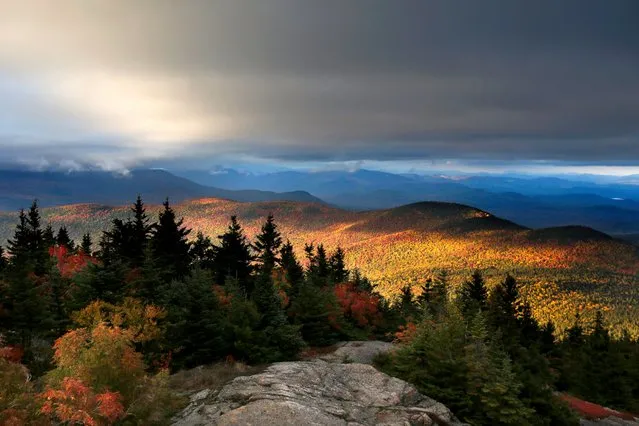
75,403
593,411
12,353
358,304
406,333
70,264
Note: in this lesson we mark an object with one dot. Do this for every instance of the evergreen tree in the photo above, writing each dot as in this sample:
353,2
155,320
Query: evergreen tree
86,245
321,260
202,252
473,296
170,246
27,305
195,326
506,310
280,339
64,240
434,296
267,244
318,266
293,270
337,266
316,311
233,257
406,304
361,282
141,231
48,236
116,244
18,245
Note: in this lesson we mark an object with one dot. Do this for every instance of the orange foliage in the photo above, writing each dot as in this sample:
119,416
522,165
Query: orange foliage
138,322
359,305
101,352
70,264
75,402
222,296
406,333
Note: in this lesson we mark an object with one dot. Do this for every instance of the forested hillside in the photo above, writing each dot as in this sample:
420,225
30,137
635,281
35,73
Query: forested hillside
563,270
90,330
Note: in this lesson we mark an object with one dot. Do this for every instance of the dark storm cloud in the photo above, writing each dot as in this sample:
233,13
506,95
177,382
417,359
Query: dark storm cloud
321,80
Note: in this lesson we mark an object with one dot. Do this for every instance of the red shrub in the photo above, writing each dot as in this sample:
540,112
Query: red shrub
359,305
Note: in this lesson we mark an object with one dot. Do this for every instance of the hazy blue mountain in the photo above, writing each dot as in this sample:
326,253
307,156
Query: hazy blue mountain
19,188
610,205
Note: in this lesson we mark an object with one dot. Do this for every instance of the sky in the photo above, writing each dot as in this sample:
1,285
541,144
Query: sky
493,85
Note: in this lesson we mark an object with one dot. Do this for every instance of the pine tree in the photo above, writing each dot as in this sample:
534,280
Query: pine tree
337,266
279,339
35,240
170,246
141,231
506,310
318,266
267,244
293,270
117,244
64,240
48,236
86,245
233,257
18,245
316,311
202,252
473,296
196,329
321,261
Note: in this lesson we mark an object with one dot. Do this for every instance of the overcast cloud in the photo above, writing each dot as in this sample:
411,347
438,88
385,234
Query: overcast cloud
116,83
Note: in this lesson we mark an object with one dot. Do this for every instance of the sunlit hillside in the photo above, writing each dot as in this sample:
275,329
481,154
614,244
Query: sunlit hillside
564,269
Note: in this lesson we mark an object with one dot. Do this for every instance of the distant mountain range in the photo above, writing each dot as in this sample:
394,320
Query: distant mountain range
535,202
19,188
611,207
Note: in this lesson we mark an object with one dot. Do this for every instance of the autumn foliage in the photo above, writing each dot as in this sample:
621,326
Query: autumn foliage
69,263
358,305
76,403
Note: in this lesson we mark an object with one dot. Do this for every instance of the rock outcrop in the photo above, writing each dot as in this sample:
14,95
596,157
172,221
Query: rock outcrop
357,352
318,392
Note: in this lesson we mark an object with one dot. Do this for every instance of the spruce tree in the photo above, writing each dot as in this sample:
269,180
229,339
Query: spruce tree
473,296
86,245
233,257
170,246
506,310
117,244
18,245
64,240
141,230
202,252
279,339
293,270
195,325
48,236
337,265
321,260
267,244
